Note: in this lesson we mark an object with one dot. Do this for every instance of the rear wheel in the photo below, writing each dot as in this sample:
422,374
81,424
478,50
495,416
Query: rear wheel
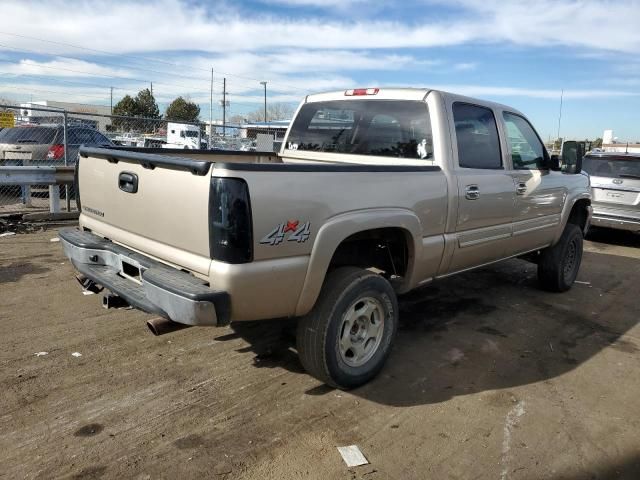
558,265
346,338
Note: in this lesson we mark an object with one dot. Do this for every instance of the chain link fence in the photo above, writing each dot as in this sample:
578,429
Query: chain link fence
33,135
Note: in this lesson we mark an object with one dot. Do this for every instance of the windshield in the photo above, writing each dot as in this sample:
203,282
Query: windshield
191,134
388,128
612,167
37,135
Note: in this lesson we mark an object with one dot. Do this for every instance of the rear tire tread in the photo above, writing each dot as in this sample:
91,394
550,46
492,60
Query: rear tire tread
313,328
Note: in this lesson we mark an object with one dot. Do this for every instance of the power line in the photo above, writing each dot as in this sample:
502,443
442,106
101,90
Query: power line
191,88
147,59
39,65
97,95
110,64
70,82
21,88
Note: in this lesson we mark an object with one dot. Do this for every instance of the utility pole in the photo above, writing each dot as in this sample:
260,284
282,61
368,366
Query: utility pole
265,100
211,110
224,106
560,114
111,102
152,89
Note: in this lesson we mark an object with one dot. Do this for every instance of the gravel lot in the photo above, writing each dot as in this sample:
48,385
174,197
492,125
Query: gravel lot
490,378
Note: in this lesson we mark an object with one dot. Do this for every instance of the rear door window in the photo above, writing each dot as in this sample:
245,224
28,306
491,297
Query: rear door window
28,135
385,128
476,137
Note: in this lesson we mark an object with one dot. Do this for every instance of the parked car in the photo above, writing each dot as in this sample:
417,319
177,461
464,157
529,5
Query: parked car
615,185
374,193
44,144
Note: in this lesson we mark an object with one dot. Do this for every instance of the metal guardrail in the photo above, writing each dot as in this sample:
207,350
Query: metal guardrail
14,175
36,135
45,175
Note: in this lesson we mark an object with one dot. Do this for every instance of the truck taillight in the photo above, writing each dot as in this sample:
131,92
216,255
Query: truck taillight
361,91
55,152
230,226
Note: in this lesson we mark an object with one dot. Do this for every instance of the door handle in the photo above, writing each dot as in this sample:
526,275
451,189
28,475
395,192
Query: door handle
472,192
521,189
128,182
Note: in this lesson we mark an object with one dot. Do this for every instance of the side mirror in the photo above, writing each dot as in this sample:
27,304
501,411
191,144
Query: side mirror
571,157
554,162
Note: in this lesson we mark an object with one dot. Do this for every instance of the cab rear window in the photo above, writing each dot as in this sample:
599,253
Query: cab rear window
384,128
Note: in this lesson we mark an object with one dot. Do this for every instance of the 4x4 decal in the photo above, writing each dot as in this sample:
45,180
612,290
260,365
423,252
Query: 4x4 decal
298,232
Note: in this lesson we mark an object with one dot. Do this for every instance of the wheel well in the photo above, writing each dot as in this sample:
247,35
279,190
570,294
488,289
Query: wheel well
384,249
579,213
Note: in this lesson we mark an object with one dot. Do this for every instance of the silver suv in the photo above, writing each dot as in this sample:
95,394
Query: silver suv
44,144
615,185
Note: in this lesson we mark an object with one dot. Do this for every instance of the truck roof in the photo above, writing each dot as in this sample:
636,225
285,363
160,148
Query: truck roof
404,93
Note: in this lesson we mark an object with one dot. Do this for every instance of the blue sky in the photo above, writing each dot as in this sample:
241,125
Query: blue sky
517,52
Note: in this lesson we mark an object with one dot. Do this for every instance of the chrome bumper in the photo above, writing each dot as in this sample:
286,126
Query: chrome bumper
615,222
145,283
616,218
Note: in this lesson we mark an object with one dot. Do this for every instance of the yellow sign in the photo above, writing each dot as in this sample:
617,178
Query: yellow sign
7,120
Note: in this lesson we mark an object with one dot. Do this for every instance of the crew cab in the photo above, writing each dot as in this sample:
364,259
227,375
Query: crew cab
374,192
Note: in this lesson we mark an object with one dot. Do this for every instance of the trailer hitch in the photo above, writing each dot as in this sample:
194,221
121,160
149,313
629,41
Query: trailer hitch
88,285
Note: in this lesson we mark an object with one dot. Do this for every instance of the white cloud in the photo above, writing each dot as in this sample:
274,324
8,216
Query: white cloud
593,24
465,66
569,94
22,92
328,4
300,60
300,68
62,67
177,25
297,53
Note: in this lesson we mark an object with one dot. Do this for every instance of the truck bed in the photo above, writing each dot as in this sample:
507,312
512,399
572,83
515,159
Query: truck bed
169,215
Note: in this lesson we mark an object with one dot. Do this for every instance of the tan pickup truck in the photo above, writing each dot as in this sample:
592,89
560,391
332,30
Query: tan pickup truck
374,193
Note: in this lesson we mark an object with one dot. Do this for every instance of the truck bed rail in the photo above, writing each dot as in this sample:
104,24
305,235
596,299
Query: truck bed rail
148,160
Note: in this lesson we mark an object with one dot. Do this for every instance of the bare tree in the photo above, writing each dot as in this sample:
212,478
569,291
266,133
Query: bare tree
4,101
275,111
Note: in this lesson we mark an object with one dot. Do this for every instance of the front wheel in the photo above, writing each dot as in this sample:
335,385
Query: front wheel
346,338
558,265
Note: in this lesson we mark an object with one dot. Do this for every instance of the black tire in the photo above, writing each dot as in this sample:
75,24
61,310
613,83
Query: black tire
319,332
558,265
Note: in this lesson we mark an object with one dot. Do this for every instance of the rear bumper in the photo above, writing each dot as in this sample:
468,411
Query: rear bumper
158,289
615,219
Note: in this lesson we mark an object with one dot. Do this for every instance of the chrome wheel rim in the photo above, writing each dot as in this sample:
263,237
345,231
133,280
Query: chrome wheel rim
361,331
570,260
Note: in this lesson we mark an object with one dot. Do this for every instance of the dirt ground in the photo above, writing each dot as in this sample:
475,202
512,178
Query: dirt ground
490,378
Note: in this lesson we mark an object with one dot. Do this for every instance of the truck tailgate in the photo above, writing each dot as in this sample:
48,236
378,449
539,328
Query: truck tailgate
150,203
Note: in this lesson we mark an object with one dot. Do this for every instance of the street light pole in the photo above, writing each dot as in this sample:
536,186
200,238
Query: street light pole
560,114
211,110
265,100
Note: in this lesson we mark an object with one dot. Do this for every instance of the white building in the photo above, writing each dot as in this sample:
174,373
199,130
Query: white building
613,144
77,113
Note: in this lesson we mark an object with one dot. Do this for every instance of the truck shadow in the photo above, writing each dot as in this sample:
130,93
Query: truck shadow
622,467
610,236
14,271
490,329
